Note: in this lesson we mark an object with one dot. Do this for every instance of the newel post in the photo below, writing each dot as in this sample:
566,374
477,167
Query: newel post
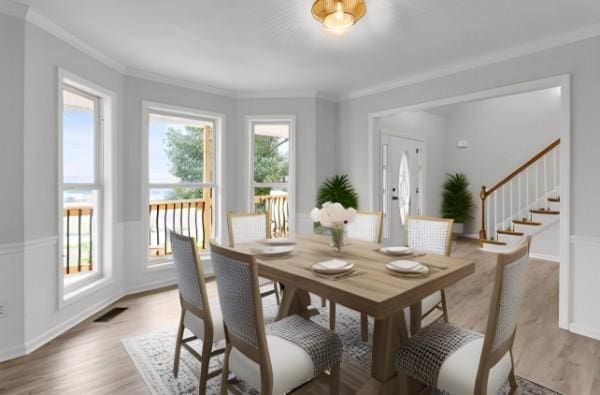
482,232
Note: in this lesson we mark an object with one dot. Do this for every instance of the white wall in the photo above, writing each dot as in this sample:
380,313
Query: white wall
431,129
582,61
12,41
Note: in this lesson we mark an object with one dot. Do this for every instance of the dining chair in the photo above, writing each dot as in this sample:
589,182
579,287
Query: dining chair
249,227
274,359
205,322
431,235
366,227
455,360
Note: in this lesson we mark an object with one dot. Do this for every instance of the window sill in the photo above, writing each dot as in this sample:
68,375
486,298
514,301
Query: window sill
71,296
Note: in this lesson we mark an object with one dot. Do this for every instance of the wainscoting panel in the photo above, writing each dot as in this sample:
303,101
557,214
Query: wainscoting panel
585,286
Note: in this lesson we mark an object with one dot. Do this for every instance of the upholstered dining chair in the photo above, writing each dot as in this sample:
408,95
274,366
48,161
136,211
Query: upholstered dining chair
367,227
204,321
454,360
249,227
432,235
275,359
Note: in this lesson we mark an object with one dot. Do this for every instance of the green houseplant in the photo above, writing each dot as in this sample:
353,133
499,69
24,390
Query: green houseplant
457,201
336,189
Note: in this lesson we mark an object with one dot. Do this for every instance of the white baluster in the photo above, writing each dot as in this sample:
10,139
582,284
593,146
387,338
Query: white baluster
520,180
545,175
487,215
503,206
512,215
495,212
554,155
537,181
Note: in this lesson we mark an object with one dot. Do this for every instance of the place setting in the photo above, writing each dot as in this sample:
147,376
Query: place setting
277,250
408,269
334,269
402,251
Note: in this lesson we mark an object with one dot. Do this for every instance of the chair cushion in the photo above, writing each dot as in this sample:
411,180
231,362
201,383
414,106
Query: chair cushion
196,325
299,350
459,371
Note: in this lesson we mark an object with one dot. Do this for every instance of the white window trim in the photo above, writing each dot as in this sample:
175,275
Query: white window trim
218,119
250,120
83,285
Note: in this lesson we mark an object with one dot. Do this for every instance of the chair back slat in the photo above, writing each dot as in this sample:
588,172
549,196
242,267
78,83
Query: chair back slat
430,234
237,282
366,226
248,227
190,278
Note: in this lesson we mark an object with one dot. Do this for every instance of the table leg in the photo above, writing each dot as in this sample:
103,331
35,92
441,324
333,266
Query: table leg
294,301
388,336
415,318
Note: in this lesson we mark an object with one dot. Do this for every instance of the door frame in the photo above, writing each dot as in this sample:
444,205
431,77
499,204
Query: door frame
564,82
399,134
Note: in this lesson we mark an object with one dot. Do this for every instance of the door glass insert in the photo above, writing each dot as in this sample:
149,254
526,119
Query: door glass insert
404,187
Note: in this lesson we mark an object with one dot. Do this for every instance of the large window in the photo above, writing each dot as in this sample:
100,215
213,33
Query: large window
180,179
272,168
81,184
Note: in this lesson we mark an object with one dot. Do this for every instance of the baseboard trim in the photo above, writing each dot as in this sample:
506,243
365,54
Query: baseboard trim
150,286
12,352
544,257
584,330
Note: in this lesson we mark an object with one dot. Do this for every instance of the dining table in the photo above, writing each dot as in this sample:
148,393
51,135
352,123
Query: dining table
370,288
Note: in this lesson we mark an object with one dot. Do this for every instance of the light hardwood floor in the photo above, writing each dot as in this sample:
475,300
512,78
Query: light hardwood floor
89,359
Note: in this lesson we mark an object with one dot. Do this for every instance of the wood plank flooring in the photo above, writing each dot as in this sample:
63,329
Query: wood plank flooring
89,359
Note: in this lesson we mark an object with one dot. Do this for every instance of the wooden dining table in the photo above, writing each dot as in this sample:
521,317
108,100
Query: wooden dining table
372,289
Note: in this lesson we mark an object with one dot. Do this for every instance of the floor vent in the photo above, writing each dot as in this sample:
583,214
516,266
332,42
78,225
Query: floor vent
109,315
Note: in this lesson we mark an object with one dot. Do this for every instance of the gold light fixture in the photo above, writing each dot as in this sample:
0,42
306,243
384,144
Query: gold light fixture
338,16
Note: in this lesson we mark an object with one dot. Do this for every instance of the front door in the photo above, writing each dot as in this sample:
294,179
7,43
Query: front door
401,189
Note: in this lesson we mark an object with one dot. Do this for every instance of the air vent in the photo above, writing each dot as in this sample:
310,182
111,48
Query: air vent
2,309
109,315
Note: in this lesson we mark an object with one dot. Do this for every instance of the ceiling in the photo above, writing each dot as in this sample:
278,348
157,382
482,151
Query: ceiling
277,45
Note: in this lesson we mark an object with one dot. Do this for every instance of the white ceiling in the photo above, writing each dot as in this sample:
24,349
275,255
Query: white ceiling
277,45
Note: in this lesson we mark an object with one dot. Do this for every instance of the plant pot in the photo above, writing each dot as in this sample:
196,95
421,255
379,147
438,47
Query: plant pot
458,228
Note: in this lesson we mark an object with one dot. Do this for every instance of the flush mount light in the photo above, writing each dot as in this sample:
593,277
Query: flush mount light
338,16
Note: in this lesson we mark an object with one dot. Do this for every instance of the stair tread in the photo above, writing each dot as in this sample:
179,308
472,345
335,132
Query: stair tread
544,211
554,199
496,242
510,232
521,222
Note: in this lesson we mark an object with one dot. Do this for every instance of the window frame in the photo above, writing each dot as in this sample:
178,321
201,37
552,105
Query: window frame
82,285
218,120
252,120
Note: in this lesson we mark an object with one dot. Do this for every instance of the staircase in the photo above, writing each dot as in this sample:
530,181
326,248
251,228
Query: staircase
525,202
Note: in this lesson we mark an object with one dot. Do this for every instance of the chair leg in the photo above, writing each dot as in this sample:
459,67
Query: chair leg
444,305
334,377
323,302
277,299
178,343
408,385
511,376
364,327
332,315
225,371
207,343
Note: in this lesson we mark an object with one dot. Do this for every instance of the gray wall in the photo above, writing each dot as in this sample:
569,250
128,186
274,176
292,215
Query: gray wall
582,61
12,80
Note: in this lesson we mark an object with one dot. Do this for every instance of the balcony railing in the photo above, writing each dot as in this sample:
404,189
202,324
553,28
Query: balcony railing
277,206
191,217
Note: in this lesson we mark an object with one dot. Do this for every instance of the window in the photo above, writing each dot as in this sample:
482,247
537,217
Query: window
271,149
81,185
404,188
180,179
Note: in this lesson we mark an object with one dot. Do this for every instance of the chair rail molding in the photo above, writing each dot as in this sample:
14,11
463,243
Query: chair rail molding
33,244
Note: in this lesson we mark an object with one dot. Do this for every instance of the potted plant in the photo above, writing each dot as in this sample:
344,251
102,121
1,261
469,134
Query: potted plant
457,201
336,189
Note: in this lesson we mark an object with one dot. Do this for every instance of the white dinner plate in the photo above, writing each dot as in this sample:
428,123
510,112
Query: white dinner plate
279,242
333,266
273,251
408,267
399,250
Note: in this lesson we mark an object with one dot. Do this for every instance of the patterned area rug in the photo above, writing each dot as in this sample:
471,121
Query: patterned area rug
152,354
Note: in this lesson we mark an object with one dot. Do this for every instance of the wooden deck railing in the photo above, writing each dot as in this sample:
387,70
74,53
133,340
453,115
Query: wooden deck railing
277,205
191,217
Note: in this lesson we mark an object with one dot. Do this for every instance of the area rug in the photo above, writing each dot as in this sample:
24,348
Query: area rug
152,354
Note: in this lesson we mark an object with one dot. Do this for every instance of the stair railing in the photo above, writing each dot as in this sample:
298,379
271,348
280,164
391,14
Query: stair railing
516,193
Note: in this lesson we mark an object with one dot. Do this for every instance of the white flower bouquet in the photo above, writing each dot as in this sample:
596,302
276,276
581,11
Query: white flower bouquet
334,216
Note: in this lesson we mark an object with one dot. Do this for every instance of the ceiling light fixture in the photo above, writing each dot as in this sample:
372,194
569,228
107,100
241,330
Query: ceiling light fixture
338,16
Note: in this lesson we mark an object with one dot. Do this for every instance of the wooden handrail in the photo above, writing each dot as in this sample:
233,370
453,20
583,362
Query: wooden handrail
505,180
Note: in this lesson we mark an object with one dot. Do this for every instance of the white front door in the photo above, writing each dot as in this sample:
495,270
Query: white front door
402,184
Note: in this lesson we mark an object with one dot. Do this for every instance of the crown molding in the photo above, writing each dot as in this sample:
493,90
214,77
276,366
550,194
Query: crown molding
46,24
286,94
183,83
496,57
13,9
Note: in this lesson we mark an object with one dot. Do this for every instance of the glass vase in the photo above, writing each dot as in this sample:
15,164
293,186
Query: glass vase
338,237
